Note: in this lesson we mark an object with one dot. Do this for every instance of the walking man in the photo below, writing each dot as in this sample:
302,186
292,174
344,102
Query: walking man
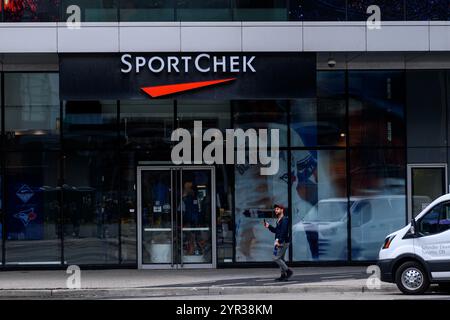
282,240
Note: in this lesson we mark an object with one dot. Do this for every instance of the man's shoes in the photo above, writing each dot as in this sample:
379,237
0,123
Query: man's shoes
281,278
289,274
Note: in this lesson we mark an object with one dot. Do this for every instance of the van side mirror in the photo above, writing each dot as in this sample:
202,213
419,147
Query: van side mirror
413,228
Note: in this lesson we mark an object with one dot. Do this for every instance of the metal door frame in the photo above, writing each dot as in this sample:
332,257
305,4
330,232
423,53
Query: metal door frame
176,169
409,181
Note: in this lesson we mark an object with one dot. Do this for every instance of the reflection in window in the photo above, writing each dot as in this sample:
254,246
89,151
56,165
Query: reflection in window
31,10
262,10
378,198
92,10
321,121
262,114
255,196
376,108
32,110
319,205
147,10
91,223
90,124
146,124
33,208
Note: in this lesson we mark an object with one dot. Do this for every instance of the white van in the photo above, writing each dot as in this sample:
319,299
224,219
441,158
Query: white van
419,254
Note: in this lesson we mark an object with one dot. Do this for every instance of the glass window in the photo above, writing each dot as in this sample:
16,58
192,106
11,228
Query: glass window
224,212
147,10
427,127
33,233
439,10
378,202
262,10
92,10
321,121
437,220
444,220
90,124
313,10
32,110
376,108
391,10
204,10
212,114
91,210
31,10
147,124
255,196
319,205
429,224
417,10
128,208
262,114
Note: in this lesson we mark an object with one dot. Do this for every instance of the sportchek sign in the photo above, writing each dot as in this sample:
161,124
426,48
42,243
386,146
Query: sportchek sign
187,75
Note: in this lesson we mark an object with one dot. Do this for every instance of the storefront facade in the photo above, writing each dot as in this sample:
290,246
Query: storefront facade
88,178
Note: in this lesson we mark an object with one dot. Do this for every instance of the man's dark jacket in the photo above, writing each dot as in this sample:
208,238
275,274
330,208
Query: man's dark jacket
281,230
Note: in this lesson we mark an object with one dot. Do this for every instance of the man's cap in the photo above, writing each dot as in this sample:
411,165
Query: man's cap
278,206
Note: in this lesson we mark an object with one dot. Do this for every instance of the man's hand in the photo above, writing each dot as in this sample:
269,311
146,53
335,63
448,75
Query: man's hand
277,244
266,225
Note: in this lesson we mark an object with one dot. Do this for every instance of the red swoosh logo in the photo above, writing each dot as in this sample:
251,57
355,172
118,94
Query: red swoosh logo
159,91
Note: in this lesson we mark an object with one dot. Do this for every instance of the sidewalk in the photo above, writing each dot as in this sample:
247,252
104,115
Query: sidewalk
164,283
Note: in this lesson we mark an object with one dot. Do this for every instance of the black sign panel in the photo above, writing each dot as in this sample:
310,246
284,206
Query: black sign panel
122,76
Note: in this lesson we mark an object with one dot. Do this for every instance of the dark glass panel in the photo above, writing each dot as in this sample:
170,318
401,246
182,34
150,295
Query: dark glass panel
91,209
33,233
318,10
90,124
377,108
204,10
147,10
262,10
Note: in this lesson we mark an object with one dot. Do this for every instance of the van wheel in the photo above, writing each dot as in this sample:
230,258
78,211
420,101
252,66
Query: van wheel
411,278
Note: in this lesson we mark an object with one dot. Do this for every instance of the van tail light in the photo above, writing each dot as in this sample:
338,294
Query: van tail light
388,242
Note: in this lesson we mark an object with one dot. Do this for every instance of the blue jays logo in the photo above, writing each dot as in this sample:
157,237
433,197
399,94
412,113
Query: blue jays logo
26,216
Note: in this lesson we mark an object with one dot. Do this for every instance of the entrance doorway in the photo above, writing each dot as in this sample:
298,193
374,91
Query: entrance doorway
426,182
176,217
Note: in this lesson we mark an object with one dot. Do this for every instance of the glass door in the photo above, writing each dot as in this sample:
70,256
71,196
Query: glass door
426,182
176,213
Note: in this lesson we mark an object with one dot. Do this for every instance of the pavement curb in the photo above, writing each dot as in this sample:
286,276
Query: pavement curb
179,291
